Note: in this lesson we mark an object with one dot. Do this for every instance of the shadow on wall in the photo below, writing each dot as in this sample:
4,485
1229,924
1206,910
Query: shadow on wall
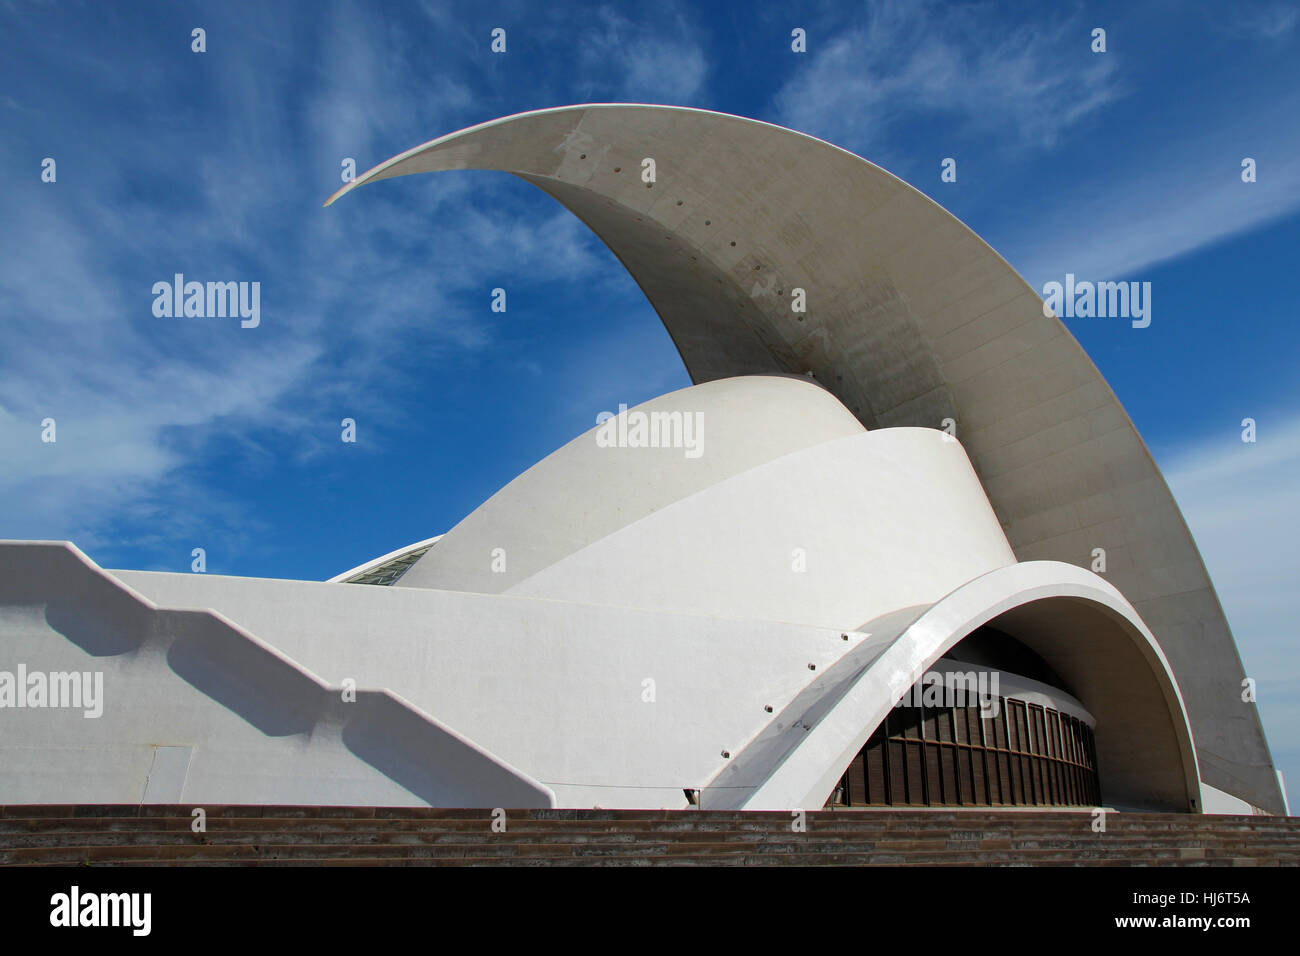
1112,669
272,693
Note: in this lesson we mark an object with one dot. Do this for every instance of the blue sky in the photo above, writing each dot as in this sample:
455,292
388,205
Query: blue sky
174,435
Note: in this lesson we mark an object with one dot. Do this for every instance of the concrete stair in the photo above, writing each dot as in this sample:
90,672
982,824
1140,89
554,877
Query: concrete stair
161,835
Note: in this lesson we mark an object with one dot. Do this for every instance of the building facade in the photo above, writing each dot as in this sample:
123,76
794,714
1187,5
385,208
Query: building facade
849,565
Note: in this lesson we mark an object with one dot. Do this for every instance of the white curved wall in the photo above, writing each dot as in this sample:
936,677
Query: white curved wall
791,512
885,519
582,492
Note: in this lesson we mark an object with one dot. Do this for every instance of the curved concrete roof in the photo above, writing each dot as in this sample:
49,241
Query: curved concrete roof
911,318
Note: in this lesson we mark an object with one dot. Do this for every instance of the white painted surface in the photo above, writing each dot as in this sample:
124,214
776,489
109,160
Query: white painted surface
1214,800
553,688
582,492
541,694
167,773
792,513
878,520
264,729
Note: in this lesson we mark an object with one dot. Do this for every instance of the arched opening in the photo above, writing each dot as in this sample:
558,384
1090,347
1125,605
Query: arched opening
989,724
1034,675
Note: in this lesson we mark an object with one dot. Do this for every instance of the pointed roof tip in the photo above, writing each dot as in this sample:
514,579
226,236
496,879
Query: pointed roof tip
369,174
357,181
335,195
353,184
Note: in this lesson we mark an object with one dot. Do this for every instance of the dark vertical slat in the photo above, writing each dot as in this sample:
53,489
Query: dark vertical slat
1027,755
897,773
971,717
965,776
948,756
877,793
855,793
915,772
935,795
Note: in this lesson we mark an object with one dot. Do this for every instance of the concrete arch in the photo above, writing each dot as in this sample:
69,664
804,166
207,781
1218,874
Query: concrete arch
1076,621
911,319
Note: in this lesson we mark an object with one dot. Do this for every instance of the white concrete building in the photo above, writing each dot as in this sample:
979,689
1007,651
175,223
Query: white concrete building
718,597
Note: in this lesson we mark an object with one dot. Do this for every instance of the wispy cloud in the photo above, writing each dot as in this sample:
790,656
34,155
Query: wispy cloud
1239,499
1271,20
912,59
142,402
657,61
1183,195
